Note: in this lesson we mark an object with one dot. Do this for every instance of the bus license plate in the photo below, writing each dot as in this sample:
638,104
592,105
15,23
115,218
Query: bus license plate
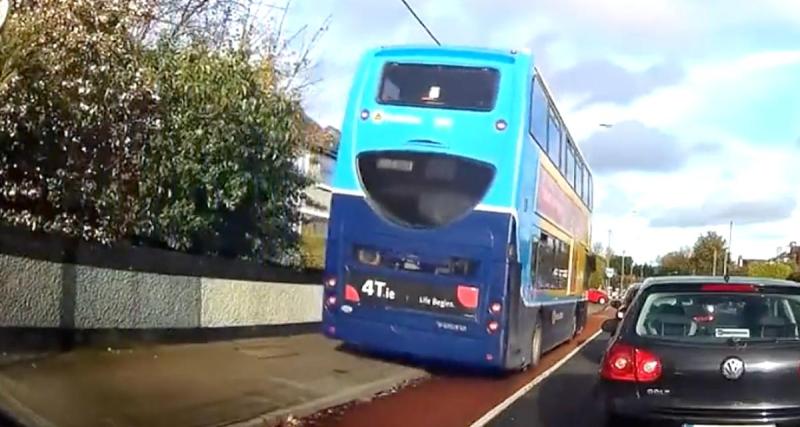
414,295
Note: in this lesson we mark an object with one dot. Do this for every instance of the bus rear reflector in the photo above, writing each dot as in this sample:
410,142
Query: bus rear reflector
467,296
351,294
728,287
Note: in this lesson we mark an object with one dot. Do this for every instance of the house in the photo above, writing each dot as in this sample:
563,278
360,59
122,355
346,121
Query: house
790,254
318,163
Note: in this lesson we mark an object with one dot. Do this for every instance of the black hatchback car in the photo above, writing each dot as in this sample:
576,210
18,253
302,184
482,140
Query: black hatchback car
705,351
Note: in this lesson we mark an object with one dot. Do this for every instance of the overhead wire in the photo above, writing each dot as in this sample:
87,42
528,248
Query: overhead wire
421,23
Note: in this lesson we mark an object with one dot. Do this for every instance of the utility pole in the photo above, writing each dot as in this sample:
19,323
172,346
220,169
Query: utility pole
622,276
728,250
714,270
608,258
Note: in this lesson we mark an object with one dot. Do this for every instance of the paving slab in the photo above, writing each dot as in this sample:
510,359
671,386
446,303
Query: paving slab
249,382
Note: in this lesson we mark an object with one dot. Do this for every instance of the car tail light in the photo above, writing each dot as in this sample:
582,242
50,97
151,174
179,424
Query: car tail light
351,294
704,318
728,287
627,363
493,326
467,296
496,307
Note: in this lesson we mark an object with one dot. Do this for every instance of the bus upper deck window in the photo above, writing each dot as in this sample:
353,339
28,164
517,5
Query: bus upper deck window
439,86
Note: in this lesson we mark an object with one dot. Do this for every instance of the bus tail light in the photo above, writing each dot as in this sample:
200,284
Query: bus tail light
501,125
495,308
467,296
493,326
364,114
626,363
351,294
330,282
331,300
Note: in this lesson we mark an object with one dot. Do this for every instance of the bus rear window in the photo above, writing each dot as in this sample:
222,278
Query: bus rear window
439,86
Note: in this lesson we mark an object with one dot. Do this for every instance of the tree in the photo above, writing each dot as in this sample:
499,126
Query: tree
617,264
775,270
795,277
598,277
168,122
643,270
220,176
705,249
676,263
75,116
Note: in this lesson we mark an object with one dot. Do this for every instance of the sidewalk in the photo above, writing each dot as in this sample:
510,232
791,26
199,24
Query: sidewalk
251,382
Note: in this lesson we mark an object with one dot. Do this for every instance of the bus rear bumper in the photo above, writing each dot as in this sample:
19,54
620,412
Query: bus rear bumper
415,345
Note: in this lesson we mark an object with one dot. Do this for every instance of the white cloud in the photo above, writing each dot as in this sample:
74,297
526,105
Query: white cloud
724,68
761,173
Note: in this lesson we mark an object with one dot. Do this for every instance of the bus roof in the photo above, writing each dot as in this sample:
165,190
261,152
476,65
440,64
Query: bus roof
449,48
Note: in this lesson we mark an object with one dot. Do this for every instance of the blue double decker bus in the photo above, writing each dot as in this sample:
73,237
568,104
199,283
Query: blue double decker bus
459,226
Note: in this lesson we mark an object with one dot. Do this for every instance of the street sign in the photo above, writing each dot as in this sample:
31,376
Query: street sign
4,6
610,273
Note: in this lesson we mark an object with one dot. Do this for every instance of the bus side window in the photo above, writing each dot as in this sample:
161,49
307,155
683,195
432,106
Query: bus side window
534,258
546,264
539,114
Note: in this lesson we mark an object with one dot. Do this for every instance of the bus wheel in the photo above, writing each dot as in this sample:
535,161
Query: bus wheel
536,345
576,331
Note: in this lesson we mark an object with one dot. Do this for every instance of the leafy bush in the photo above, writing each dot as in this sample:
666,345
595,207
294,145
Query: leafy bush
220,177
75,114
313,251
775,270
186,143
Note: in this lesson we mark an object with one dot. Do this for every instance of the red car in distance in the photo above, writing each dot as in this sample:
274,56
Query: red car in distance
597,296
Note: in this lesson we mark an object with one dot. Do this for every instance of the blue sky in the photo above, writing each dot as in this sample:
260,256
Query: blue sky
702,95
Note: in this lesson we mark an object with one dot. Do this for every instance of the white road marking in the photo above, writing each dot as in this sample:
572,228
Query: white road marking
497,410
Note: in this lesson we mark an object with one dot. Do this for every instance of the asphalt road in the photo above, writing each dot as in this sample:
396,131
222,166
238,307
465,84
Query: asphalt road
565,398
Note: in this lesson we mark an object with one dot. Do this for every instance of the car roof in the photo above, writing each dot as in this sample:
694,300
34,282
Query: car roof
701,280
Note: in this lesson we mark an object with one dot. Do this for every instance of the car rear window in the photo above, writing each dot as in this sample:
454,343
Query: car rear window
718,317
439,86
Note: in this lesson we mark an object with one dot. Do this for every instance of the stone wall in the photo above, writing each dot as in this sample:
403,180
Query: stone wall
44,294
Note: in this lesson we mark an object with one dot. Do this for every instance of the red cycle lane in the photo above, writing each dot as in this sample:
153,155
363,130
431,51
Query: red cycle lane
444,400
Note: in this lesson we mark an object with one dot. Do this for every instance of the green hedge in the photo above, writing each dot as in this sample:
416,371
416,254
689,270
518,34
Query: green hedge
106,138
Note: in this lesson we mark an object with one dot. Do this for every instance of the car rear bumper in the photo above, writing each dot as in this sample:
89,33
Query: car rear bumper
623,400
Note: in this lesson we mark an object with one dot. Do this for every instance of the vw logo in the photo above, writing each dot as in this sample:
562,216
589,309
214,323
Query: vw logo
732,368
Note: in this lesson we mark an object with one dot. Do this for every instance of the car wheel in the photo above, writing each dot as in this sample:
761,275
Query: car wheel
536,345
601,301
